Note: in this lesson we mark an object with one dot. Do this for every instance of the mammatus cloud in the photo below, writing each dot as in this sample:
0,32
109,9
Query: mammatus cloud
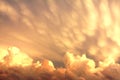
85,31
82,26
16,65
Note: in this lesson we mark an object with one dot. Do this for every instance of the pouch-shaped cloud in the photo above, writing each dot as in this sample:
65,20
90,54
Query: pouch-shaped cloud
85,31
90,27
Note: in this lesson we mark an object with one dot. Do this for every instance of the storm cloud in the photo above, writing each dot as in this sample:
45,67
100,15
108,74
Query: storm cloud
51,29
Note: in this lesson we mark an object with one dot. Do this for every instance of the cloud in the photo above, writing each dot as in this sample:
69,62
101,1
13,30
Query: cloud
77,68
86,32
60,26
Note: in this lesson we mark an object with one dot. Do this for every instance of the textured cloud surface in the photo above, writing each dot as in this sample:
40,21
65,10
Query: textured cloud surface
86,32
50,27
16,65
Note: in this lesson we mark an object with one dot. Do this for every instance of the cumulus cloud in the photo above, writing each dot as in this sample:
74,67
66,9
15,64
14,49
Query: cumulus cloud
77,68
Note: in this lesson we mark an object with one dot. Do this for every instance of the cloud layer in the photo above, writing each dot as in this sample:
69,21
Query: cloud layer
16,65
86,32
54,27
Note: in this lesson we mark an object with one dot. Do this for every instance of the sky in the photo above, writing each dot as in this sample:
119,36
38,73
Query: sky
43,28
49,29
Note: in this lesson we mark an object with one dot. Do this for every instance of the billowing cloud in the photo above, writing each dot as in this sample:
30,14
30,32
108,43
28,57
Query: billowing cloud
86,32
18,66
